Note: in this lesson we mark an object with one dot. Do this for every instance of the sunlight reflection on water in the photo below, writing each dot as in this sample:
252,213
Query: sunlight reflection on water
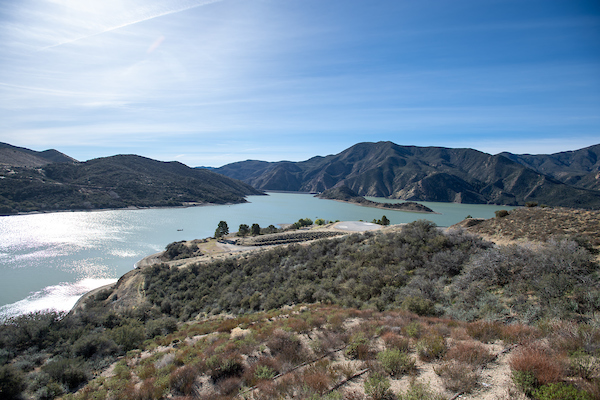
51,259
61,297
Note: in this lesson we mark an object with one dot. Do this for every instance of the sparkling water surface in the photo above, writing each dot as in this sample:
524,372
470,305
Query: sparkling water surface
47,261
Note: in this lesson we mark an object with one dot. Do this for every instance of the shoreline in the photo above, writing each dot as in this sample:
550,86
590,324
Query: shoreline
128,208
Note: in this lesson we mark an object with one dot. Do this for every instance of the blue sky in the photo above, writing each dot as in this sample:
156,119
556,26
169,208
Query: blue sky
212,82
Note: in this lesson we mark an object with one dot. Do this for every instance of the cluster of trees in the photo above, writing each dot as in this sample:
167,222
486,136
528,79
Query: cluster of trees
255,229
383,221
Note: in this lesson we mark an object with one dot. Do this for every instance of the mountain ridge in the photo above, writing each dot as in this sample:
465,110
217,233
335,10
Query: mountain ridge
385,169
23,157
114,182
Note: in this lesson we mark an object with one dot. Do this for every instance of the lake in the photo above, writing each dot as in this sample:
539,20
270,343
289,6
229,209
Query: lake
50,260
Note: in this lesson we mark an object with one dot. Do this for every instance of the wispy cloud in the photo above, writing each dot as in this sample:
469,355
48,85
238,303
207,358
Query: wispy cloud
145,15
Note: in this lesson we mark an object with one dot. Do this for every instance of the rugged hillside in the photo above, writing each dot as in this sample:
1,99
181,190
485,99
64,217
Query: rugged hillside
579,168
22,157
114,182
416,173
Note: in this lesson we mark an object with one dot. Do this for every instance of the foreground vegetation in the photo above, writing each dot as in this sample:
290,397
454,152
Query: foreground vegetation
396,310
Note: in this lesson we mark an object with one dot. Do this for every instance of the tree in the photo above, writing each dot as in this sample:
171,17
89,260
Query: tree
383,221
243,230
222,229
255,229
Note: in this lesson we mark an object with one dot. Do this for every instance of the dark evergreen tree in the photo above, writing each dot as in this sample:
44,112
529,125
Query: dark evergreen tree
222,229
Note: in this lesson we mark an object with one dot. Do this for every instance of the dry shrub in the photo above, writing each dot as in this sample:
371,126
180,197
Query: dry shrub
146,371
457,376
148,391
485,331
257,370
336,322
519,333
537,362
270,390
346,369
571,337
394,341
221,366
286,347
182,379
359,347
318,381
327,341
353,395
472,353
227,325
298,325
230,386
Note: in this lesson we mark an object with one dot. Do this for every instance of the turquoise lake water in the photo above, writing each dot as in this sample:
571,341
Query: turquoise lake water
50,260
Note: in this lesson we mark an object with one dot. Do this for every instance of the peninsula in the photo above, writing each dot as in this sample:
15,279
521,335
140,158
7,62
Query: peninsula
344,193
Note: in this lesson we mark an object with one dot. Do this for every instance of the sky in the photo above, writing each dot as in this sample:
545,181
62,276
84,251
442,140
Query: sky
210,82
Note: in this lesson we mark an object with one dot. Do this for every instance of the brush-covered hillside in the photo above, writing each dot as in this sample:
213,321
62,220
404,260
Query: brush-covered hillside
406,312
113,182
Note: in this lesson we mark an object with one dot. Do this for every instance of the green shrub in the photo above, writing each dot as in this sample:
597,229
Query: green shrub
377,386
501,213
413,329
94,344
560,391
431,347
11,382
50,391
419,305
264,372
525,381
70,372
419,391
396,362
358,348
129,336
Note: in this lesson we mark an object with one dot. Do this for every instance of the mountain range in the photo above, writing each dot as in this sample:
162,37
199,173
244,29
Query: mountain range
385,169
52,181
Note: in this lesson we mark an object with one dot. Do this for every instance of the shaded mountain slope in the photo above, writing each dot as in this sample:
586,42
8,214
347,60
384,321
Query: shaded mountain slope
385,169
114,182
579,168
